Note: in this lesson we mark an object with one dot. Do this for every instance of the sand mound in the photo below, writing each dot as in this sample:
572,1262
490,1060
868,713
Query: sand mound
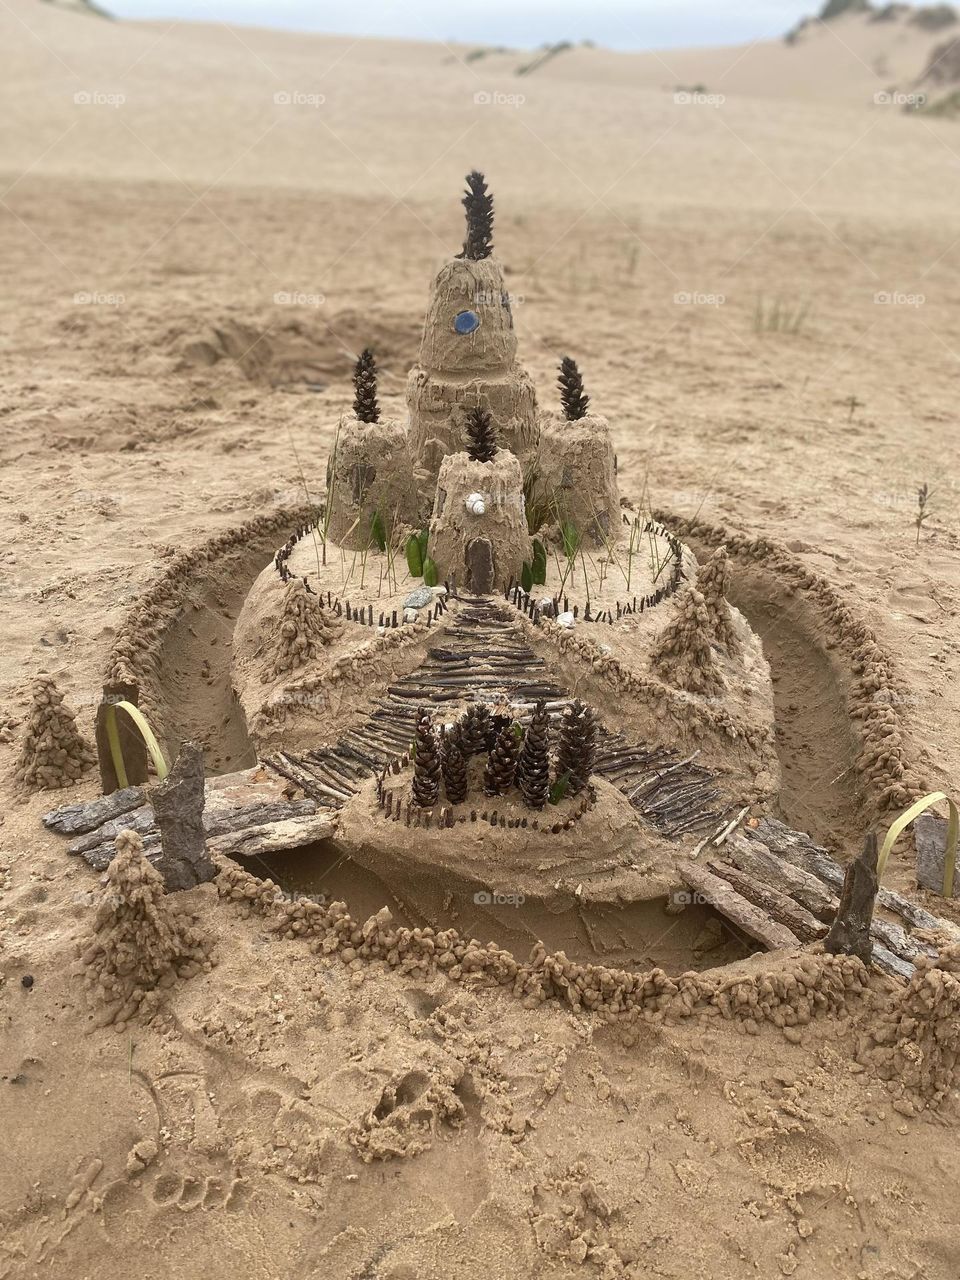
301,629
917,1043
683,655
53,753
144,940
712,583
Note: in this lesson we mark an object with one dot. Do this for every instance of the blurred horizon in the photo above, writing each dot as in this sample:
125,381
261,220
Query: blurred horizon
613,24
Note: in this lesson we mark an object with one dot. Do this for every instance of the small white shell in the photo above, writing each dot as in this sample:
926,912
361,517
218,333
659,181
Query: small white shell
565,619
476,504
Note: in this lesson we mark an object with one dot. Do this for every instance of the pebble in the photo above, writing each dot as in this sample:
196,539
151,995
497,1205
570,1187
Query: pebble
27,981
419,598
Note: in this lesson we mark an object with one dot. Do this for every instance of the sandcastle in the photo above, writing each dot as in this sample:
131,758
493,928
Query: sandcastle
486,679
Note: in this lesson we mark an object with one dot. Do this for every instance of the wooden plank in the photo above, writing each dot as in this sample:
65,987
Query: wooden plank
274,837
752,920
778,905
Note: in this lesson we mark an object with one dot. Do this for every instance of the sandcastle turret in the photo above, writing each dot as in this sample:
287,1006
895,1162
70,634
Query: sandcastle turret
478,533
369,474
468,355
576,473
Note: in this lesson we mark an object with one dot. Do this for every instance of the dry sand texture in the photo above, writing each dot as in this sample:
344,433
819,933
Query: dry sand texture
188,274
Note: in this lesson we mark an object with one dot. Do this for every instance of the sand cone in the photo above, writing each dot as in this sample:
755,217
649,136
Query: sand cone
303,627
144,938
683,655
53,752
712,579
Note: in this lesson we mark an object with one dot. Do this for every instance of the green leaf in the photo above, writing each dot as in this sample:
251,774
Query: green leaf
539,562
431,575
571,539
560,788
526,577
414,556
378,531
423,537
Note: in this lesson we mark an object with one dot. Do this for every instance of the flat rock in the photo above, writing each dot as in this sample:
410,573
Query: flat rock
78,819
419,598
930,838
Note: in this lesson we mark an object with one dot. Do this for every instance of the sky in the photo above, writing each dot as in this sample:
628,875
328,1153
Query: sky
619,24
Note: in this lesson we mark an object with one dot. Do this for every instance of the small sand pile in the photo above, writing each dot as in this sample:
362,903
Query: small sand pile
303,628
682,655
145,939
53,753
408,1113
917,1044
712,579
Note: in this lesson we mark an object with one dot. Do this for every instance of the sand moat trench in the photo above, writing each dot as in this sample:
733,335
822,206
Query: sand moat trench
814,739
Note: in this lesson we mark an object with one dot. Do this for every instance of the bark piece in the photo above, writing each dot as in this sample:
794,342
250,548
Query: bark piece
930,837
78,819
850,932
751,919
178,805
274,837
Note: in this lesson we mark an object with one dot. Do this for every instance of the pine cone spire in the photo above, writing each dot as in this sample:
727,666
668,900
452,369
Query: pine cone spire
476,730
454,768
501,768
533,767
578,747
572,396
481,436
478,203
365,387
426,763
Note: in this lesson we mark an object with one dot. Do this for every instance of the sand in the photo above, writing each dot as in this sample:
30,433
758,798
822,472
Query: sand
289,1115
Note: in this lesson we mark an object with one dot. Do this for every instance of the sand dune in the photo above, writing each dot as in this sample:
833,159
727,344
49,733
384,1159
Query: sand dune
203,104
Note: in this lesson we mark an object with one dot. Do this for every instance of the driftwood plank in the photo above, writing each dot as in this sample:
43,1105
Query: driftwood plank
78,819
753,921
778,905
274,837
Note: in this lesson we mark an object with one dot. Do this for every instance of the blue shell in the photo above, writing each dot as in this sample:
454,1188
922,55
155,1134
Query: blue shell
466,321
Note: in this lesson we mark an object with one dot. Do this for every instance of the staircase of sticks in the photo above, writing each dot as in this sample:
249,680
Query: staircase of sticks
483,654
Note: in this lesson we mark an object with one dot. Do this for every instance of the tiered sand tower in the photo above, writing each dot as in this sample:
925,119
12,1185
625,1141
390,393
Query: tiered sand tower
369,472
468,355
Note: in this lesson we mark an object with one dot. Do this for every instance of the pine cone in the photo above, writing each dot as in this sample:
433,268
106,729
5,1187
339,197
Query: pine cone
578,747
533,767
426,763
476,730
481,436
501,767
454,769
572,397
365,387
478,203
